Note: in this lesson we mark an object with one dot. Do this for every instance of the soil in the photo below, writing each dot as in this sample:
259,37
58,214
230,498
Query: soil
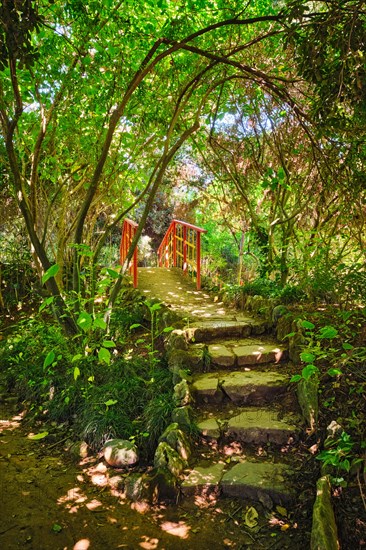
49,501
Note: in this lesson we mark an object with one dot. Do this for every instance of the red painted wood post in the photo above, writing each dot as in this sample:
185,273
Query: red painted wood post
185,270
174,230
134,266
198,259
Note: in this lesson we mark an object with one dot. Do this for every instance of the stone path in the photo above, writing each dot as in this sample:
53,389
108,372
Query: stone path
237,389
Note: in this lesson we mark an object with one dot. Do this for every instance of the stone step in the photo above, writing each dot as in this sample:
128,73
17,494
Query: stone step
247,387
245,352
264,482
254,425
213,329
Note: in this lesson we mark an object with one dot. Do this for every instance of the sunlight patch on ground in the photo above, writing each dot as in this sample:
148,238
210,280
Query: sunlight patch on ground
11,424
205,500
141,507
178,529
93,504
73,498
149,544
82,544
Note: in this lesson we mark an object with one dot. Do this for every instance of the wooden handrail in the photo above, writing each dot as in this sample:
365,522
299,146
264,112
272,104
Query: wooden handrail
181,247
128,232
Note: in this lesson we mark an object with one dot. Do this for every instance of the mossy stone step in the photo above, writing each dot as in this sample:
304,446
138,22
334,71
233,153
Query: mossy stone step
263,482
241,387
251,425
257,481
210,330
248,352
203,480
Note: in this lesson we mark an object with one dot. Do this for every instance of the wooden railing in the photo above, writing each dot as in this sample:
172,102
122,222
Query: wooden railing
128,232
181,247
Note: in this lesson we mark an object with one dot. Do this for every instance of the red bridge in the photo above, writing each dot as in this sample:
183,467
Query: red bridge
180,247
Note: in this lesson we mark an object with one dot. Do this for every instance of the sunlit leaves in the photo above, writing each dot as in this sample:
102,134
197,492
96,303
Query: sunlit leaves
51,272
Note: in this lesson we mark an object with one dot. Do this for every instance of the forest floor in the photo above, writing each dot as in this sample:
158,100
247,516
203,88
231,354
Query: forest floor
50,502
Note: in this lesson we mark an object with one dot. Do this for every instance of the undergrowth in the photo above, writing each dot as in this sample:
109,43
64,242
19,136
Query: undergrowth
130,396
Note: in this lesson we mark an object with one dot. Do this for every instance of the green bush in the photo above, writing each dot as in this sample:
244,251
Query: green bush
131,397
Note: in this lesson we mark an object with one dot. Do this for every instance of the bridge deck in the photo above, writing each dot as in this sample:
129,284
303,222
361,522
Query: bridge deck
179,293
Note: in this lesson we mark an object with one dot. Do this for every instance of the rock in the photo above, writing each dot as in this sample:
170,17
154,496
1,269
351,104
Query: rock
221,356
205,388
151,487
278,312
78,449
164,485
203,480
324,530
260,425
181,361
167,458
253,387
182,395
182,416
283,327
255,480
176,341
210,428
177,439
334,429
137,488
210,330
307,394
258,353
120,453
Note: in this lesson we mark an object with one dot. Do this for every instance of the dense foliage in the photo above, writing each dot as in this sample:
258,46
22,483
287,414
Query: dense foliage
246,119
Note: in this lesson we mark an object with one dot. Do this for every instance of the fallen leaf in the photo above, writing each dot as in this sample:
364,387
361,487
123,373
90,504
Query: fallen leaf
251,517
281,510
35,437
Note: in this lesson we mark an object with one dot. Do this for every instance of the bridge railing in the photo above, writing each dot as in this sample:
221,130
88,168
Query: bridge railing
181,247
129,229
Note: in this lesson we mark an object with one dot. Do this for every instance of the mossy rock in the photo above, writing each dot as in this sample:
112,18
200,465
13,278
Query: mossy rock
168,458
178,440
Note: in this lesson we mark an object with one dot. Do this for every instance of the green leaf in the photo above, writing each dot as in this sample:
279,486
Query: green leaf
334,372
48,301
328,332
36,437
154,307
296,378
76,357
347,346
56,528
136,325
110,402
76,373
112,273
50,357
104,356
51,272
100,323
85,321
168,329
108,344
307,357
308,325
308,371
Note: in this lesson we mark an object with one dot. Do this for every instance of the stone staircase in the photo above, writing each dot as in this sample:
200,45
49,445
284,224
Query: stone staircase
232,386
241,407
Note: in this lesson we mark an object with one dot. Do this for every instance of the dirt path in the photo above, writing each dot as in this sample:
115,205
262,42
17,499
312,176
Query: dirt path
48,502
